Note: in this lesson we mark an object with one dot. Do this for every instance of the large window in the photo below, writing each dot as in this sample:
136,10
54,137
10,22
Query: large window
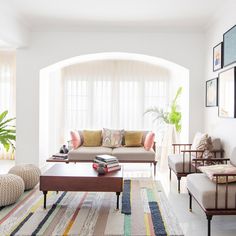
113,94
7,89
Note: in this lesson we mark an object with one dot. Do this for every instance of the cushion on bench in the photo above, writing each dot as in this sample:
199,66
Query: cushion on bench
133,154
203,190
88,153
175,162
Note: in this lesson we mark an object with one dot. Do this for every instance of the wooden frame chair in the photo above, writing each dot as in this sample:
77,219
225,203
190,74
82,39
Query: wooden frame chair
182,161
216,198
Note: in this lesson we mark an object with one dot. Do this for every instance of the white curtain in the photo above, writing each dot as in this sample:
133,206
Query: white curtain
7,90
112,94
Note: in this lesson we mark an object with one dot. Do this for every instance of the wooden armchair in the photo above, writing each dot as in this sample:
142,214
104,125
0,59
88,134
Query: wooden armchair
215,198
185,160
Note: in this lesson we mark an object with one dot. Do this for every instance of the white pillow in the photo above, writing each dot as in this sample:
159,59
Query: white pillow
197,139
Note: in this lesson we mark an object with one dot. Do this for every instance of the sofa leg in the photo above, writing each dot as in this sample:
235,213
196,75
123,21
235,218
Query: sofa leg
154,166
190,202
179,178
209,218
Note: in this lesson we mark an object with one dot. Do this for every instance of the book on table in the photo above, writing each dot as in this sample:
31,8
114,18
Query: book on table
106,158
109,163
60,156
107,169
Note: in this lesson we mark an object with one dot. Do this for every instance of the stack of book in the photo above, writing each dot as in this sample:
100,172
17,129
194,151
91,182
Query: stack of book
109,163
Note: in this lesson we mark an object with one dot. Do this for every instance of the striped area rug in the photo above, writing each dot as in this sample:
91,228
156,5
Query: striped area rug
145,211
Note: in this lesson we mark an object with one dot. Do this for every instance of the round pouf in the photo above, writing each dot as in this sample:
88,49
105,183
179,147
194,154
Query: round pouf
29,173
11,188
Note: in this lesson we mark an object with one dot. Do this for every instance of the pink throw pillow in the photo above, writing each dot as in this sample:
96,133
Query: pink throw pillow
75,139
149,141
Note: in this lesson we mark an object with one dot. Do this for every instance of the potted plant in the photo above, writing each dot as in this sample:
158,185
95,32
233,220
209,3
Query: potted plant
166,134
7,132
172,117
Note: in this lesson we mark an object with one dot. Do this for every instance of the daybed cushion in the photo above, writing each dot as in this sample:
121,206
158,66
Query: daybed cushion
209,171
133,138
175,162
149,141
88,153
92,138
133,154
203,190
112,138
75,139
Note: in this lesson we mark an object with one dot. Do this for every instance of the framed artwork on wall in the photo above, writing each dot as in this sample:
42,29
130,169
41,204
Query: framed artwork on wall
230,46
212,93
218,57
227,93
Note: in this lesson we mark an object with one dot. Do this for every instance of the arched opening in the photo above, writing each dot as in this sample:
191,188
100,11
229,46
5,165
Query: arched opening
77,92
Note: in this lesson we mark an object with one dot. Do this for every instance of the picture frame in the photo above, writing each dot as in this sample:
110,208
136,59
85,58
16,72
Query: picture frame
229,51
227,94
212,92
218,57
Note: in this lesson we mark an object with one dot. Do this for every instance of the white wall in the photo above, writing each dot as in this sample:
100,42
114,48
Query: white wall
185,49
12,31
219,127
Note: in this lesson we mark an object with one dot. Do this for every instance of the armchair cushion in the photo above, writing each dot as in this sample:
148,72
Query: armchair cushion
175,162
203,190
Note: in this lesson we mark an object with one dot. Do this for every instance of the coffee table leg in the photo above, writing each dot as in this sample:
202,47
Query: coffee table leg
45,199
117,201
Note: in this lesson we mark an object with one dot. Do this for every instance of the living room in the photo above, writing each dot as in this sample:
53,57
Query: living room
94,66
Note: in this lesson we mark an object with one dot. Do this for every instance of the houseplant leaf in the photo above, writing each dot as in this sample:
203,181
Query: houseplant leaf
7,132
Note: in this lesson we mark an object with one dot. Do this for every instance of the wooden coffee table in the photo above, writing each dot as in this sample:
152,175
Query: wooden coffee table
80,177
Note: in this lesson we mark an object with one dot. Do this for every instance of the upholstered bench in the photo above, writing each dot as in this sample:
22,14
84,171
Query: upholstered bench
214,197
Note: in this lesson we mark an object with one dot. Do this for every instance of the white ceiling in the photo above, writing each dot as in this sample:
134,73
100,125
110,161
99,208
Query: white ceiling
4,45
60,14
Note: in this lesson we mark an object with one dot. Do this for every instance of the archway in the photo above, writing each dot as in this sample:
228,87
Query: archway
51,92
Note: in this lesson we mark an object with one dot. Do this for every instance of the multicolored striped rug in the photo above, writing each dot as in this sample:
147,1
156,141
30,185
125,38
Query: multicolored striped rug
145,212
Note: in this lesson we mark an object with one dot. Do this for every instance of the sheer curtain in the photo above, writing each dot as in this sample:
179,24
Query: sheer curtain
7,90
112,94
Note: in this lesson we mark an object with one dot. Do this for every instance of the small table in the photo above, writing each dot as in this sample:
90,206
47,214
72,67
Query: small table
80,177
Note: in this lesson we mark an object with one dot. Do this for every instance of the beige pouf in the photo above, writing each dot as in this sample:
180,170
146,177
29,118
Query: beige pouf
11,188
28,172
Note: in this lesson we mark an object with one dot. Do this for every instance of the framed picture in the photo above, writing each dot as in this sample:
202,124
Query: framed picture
218,57
230,46
227,93
212,93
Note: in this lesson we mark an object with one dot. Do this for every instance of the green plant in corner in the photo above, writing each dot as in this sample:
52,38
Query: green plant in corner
172,117
7,132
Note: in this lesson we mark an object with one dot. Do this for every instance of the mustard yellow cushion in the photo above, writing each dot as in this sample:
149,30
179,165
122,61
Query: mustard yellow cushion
92,138
133,138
